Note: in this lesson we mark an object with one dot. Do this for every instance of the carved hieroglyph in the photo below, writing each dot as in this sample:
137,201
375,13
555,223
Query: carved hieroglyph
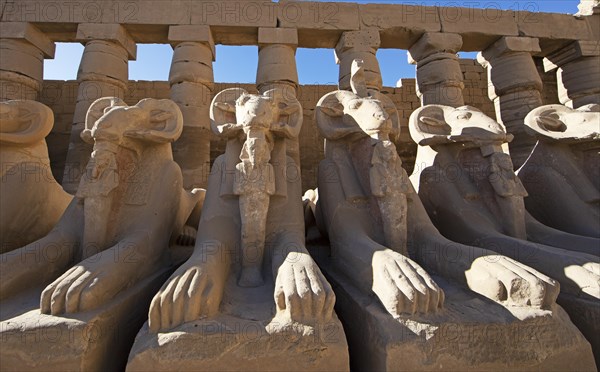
562,174
32,201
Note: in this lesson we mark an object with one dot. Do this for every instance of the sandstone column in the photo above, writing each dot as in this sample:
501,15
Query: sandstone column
277,69
192,81
103,72
515,86
22,51
439,77
359,45
578,73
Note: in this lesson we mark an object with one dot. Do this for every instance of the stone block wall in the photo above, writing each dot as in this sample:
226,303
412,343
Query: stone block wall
60,96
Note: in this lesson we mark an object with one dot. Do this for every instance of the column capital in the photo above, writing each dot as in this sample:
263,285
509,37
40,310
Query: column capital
573,51
28,32
363,40
434,42
192,33
272,35
509,44
107,31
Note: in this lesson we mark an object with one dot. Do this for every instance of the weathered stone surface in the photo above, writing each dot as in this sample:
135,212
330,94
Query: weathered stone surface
111,32
28,32
515,86
400,25
478,27
96,340
192,33
241,341
32,201
561,194
470,333
481,200
360,45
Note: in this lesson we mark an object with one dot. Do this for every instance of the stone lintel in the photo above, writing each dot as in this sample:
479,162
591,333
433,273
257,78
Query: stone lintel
107,31
272,35
192,33
575,50
27,31
434,42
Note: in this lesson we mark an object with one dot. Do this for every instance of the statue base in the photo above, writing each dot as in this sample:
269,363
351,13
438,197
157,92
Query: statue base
97,340
585,314
243,337
470,333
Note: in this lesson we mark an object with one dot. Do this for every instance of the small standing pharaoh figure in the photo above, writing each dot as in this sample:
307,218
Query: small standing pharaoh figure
254,180
387,180
254,183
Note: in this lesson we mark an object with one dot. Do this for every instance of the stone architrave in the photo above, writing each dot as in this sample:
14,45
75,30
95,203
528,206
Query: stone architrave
129,206
562,173
103,72
470,191
515,86
439,77
192,82
376,226
250,296
32,201
23,48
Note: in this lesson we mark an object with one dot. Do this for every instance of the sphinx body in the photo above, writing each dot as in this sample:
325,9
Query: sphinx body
268,204
116,230
561,174
361,182
32,201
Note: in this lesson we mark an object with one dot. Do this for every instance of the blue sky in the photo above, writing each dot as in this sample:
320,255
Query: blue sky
315,66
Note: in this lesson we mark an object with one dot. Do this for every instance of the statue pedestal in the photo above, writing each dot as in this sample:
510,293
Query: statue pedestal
470,333
97,340
239,339
585,314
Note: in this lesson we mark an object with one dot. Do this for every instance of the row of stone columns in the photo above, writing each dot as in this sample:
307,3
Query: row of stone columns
514,82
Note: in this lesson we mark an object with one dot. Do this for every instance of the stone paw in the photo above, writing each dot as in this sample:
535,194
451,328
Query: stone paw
402,286
302,293
507,281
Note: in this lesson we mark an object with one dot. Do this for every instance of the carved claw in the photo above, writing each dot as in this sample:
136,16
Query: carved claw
403,286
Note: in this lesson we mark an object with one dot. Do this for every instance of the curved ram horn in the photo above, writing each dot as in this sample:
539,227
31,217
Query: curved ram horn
558,122
288,112
222,112
331,121
357,79
427,125
159,111
95,112
24,122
